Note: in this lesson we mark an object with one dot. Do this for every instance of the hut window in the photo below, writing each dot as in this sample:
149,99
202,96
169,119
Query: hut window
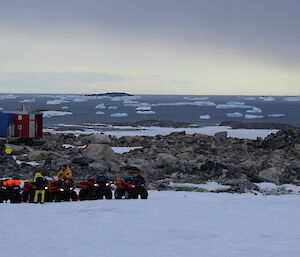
19,117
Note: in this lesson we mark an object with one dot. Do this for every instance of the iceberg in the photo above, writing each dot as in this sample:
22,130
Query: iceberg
197,103
276,115
248,98
100,106
56,101
49,114
255,110
10,96
101,113
292,99
267,98
204,117
1,109
119,115
112,107
146,112
31,100
233,105
195,98
234,115
65,107
251,116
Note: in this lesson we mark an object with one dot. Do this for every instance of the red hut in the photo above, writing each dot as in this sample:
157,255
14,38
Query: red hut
28,124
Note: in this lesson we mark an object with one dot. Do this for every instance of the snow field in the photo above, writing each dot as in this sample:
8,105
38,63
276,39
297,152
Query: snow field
167,224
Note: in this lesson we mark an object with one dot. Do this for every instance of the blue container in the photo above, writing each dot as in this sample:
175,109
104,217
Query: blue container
6,124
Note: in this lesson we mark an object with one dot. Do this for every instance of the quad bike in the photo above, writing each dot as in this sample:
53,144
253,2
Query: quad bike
28,192
103,187
62,190
131,188
95,188
10,190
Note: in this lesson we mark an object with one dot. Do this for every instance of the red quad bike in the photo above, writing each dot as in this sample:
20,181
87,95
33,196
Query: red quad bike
64,190
28,192
89,190
103,187
10,190
131,187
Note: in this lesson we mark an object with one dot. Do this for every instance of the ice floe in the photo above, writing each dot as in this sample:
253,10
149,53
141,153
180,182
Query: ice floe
48,114
255,110
252,116
100,106
197,103
276,115
65,107
233,105
112,107
267,98
119,115
205,117
234,115
145,112
100,113
248,98
195,98
1,109
292,99
56,102
9,96
30,100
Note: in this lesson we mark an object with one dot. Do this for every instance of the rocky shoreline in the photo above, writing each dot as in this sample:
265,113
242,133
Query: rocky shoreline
163,160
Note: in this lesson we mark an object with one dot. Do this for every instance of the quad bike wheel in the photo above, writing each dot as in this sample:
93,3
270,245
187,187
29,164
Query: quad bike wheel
144,194
118,194
127,195
108,194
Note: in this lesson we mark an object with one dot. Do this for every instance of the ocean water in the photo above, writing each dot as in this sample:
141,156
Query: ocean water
182,108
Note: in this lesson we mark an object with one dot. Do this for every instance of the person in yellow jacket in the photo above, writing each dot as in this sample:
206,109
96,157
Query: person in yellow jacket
8,149
40,183
65,172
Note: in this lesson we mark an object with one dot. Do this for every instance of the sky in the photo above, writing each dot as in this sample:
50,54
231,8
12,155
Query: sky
196,47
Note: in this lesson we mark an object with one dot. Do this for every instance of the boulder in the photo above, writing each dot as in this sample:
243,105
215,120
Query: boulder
97,139
100,165
38,155
166,160
221,135
272,175
102,152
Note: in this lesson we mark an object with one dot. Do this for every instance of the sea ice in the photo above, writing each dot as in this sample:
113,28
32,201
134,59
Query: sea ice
30,100
276,115
234,115
267,98
56,101
204,117
145,112
102,113
255,110
65,107
100,106
119,115
251,116
195,98
233,105
112,107
48,114
292,98
197,103
10,96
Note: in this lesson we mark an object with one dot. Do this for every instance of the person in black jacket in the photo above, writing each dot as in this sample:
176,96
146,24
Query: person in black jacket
40,183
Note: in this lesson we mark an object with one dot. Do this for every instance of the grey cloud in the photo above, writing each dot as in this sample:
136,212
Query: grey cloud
266,28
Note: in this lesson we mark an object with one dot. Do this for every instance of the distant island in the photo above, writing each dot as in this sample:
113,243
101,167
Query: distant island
113,94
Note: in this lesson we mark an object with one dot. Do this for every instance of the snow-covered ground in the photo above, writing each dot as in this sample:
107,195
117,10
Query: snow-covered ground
153,131
168,224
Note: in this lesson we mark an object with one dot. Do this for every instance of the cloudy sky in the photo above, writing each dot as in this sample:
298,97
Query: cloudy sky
150,46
